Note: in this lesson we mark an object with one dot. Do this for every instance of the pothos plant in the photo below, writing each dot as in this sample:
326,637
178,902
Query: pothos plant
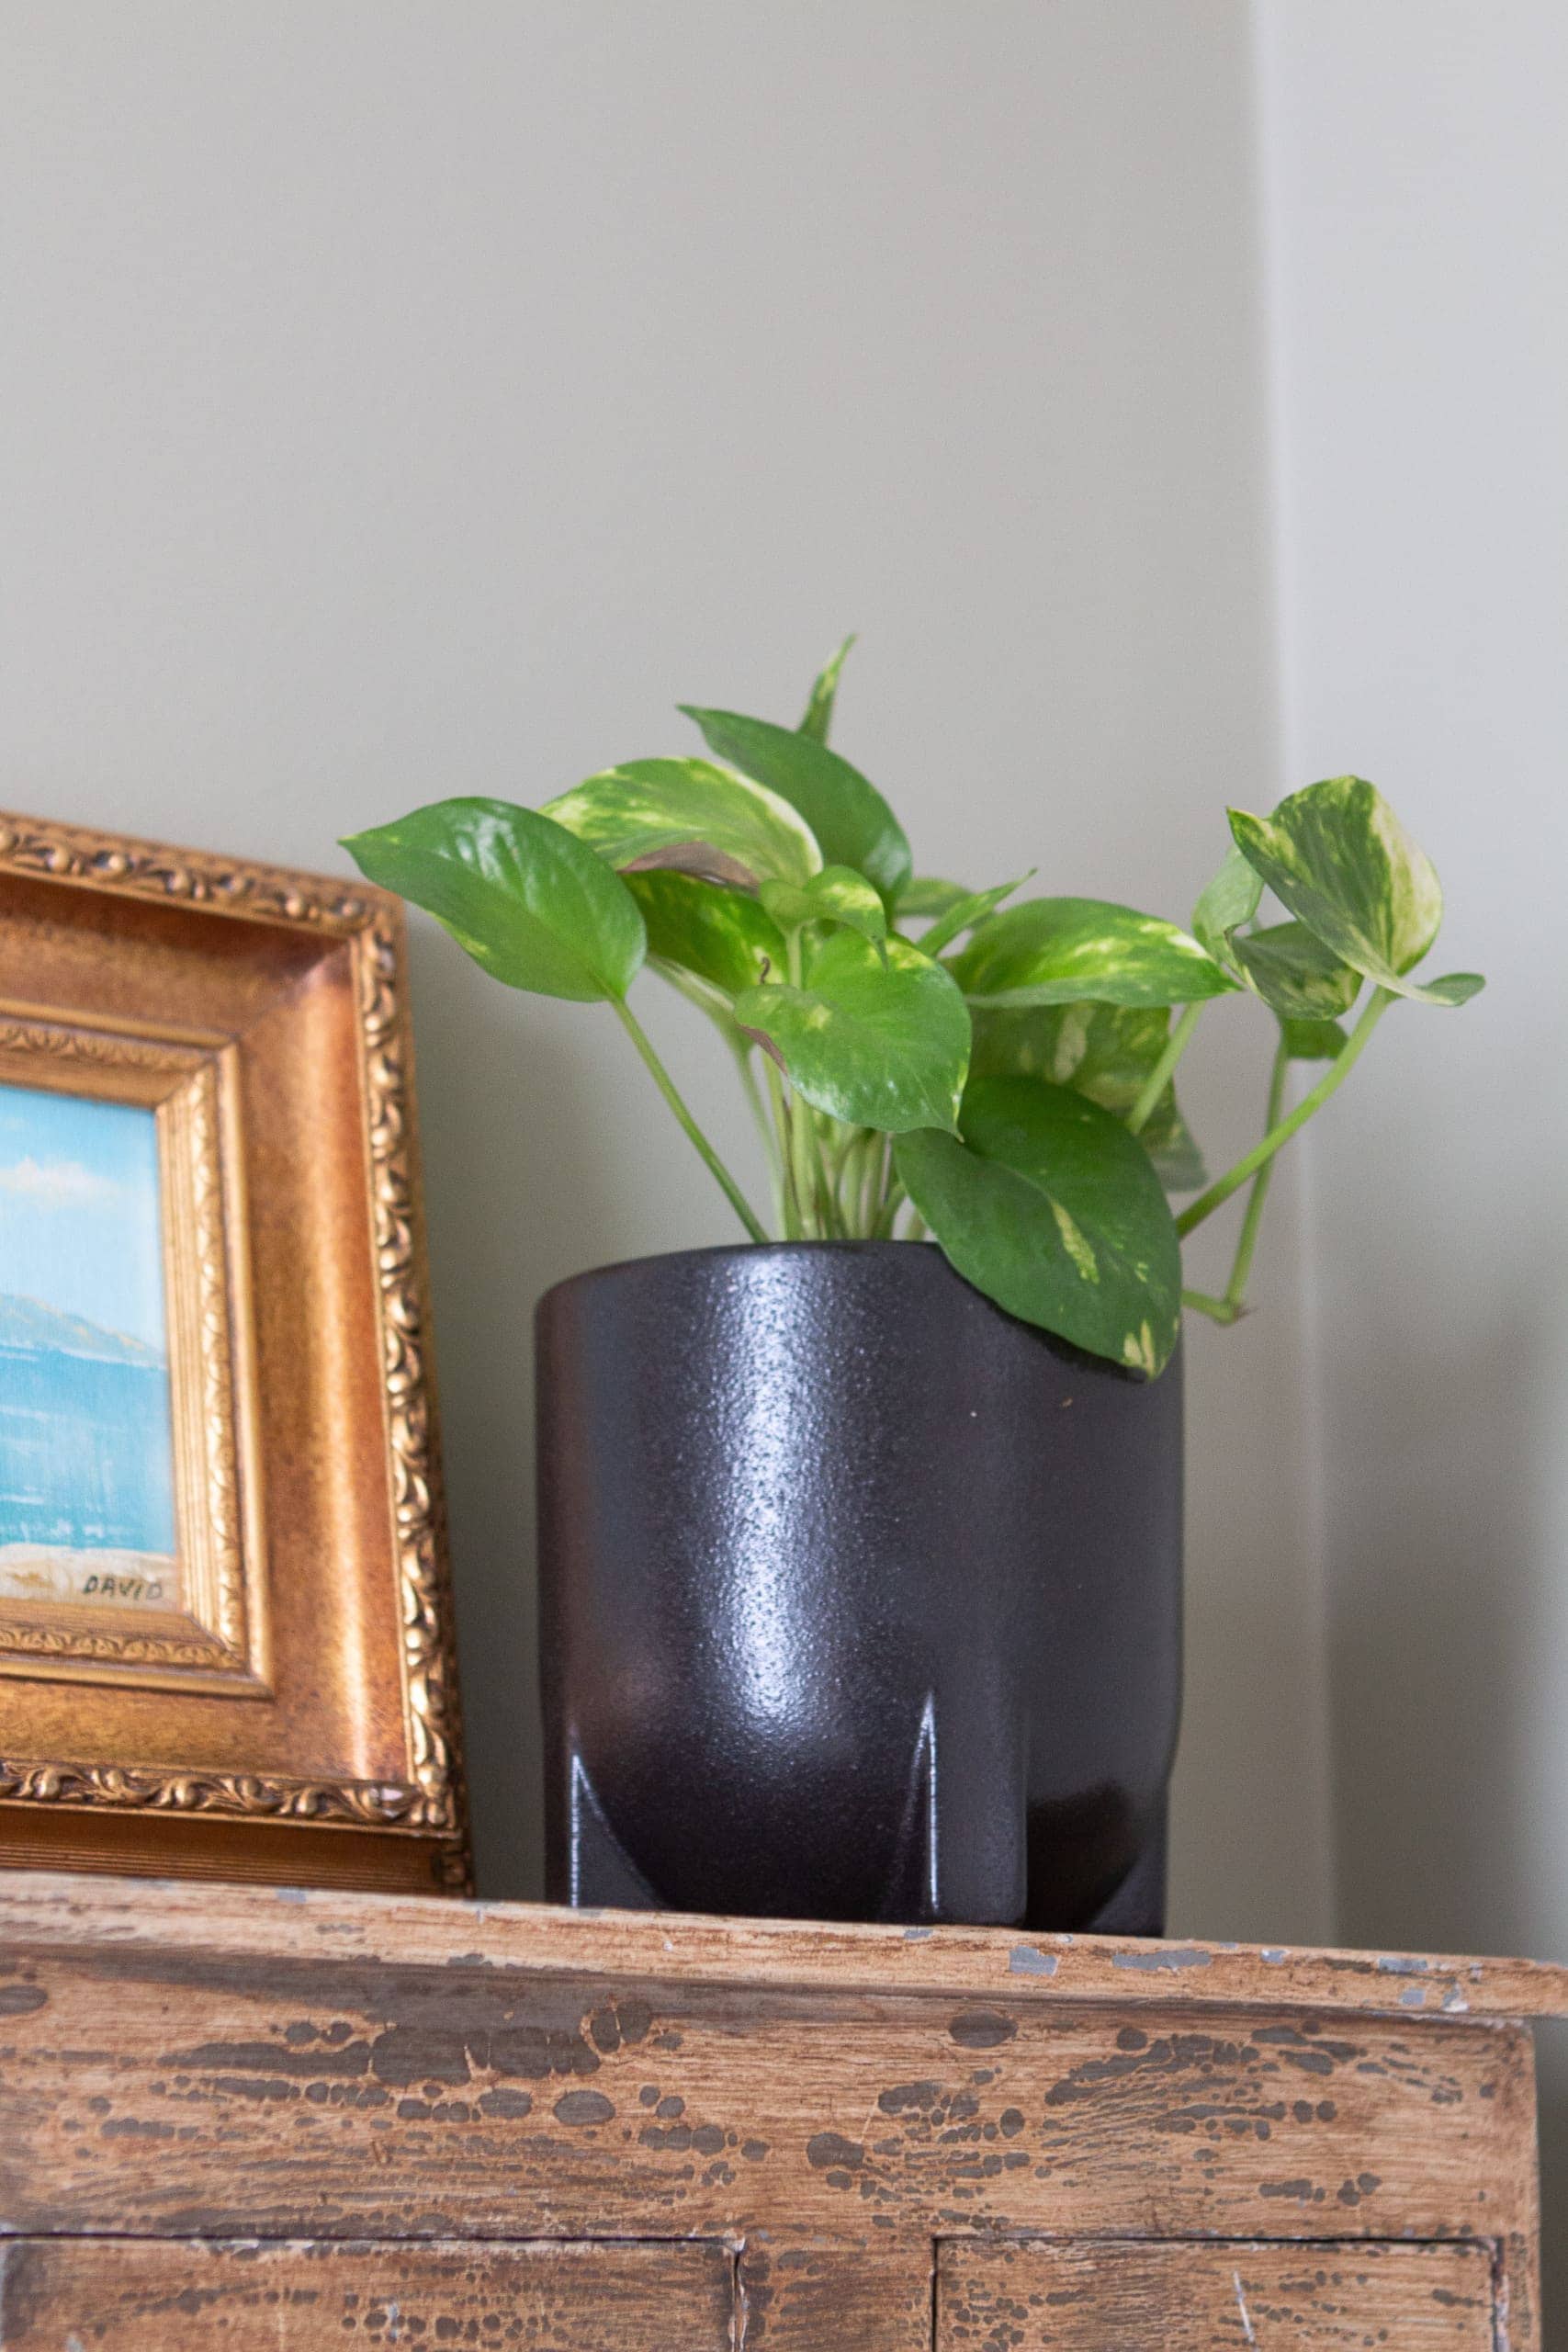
924,1059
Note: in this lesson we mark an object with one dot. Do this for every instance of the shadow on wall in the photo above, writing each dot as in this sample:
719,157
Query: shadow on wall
512,1185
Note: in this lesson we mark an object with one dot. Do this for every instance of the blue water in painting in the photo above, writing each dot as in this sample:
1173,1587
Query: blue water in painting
84,1454
85,1429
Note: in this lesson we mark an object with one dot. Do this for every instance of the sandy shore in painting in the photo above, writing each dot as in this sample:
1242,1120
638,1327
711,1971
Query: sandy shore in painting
51,1573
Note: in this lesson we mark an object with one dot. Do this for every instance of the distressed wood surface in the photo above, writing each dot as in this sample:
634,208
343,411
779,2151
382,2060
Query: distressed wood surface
820,2107
824,2298
124,2296
189,2091
997,1964
1132,2298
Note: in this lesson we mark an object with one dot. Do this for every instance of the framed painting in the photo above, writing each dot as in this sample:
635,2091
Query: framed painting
225,1637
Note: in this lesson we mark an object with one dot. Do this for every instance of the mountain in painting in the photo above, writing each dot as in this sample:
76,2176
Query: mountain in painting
26,1323
85,1435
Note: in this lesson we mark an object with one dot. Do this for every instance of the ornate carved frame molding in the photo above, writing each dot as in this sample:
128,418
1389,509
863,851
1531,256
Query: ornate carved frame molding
197,1110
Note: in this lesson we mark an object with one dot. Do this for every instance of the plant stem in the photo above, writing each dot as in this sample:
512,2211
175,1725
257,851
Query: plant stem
871,1161
1219,1310
821,1137
846,1177
1235,1289
889,1216
1250,1163
771,1153
789,1209
803,1165
883,1198
666,1086
1158,1078
802,1143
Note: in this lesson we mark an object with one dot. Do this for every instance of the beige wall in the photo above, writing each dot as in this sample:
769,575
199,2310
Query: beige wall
404,399
1418,202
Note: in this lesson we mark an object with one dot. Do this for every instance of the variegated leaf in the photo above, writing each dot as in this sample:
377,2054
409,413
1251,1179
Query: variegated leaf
874,1043
1230,900
1057,951
692,815
1049,1207
1106,1051
723,938
531,904
837,895
846,813
1338,858
1297,976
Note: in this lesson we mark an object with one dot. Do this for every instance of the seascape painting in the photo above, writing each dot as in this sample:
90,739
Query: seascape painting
86,1432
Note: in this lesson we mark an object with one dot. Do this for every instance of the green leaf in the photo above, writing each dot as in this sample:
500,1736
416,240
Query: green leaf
690,816
1338,858
1054,951
877,1045
818,716
1230,899
1053,1209
524,898
847,815
1170,1144
1313,1041
836,894
1105,1051
967,914
924,895
1297,976
721,936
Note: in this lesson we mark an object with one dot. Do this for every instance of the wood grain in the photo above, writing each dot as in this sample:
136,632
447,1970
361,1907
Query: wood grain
244,2297
824,2298
1131,2298
987,1962
193,2092
817,2109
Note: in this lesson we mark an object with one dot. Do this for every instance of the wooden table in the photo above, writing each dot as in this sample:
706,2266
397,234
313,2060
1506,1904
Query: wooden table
253,2119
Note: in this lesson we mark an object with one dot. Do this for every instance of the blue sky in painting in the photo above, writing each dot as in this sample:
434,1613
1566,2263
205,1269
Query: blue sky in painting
79,1218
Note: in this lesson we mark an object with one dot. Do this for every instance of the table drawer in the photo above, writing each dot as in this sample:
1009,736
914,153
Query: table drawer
1127,2295
228,2295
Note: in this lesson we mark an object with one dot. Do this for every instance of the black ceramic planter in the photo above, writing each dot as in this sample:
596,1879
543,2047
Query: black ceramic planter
860,1599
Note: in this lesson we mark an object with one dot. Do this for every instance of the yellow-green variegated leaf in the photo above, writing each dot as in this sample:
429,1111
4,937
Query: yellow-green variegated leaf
1047,1204
874,1042
837,895
819,715
1106,1051
722,937
692,815
1056,950
528,903
1338,858
1295,973
1230,899
846,813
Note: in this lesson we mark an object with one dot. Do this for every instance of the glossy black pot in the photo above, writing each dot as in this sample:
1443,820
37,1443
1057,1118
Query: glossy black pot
859,1598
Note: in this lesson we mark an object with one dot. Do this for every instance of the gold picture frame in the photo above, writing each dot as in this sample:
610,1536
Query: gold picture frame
271,1694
